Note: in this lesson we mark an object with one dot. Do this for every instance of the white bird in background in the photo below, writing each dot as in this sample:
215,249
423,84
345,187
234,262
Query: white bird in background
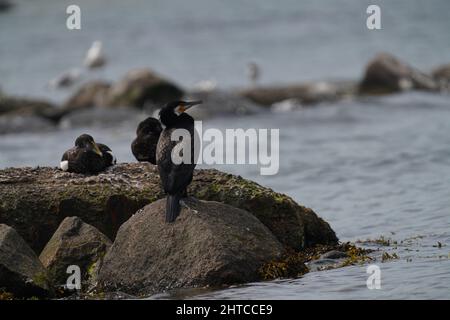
94,56
253,72
206,85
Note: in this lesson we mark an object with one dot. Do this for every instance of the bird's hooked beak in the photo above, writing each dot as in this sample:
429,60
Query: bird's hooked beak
182,107
94,147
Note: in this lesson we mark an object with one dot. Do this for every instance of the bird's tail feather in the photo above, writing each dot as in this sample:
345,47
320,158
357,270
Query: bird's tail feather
173,207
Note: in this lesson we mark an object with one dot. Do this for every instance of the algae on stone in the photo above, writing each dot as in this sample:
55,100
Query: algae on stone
35,200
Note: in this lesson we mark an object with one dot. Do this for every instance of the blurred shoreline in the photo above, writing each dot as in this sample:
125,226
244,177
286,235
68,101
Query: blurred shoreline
142,92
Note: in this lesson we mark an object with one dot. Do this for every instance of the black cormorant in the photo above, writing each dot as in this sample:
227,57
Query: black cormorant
144,146
87,156
175,177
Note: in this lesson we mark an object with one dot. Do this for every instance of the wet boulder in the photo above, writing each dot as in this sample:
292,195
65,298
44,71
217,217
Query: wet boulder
442,72
304,93
25,107
210,244
217,103
24,123
36,200
442,75
91,94
5,5
99,117
26,115
334,254
142,87
387,74
21,272
74,243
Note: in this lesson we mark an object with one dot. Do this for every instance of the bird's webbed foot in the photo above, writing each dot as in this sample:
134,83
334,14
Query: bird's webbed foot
186,201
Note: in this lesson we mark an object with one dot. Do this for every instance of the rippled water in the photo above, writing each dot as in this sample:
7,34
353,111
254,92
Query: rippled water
370,167
190,41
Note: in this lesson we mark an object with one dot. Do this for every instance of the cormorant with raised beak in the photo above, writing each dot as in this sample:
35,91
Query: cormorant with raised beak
175,177
87,156
144,146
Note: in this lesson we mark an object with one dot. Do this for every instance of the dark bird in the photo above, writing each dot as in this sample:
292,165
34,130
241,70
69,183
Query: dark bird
109,158
254,72
87,156
175,177
144,146
5,5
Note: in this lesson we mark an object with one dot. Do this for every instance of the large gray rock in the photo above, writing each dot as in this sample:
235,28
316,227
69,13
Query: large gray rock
21,272
217,103
26,106
35,200
387,74
74,243
5,5
304,93
24,123
442,75
89,95
210,243
141,87
99,117
26,115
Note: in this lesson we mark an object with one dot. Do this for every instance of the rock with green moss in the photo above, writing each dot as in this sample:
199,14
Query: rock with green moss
89,95
5,5
209,244
138,88
141,87
221,103
442,75
21,272
304,93
26,115
387,74
35,201
74,243
18,106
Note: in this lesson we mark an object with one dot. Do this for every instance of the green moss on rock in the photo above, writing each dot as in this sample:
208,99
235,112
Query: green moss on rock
293,264
35,200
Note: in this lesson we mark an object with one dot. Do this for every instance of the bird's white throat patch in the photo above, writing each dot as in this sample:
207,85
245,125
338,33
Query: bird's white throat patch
114,161
64,165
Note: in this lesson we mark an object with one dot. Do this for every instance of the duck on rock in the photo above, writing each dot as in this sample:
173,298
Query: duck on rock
144,146
87,156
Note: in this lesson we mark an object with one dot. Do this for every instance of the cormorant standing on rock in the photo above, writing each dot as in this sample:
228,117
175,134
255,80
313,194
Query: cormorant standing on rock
144,146
175,177
87,156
